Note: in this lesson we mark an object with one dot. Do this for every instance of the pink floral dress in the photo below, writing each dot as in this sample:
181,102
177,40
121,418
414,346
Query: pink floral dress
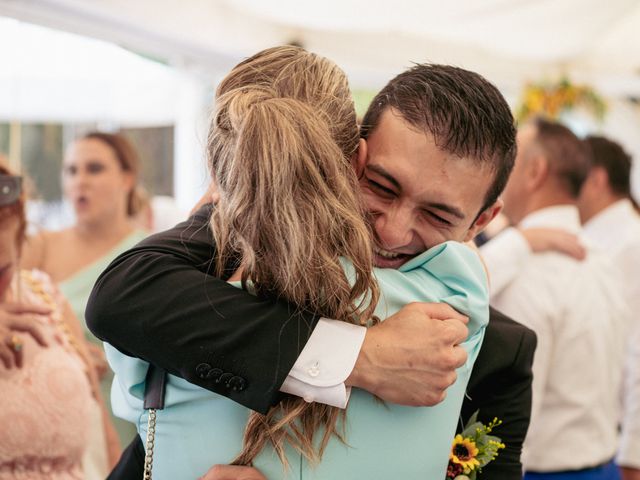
45,405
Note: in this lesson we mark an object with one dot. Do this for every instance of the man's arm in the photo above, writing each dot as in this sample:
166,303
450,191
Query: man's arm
159,302
506,253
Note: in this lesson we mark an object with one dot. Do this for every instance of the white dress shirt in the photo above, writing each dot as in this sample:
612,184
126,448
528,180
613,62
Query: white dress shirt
616,230
578,314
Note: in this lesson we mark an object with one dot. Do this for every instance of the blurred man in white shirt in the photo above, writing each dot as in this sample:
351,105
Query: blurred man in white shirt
611,221
574,307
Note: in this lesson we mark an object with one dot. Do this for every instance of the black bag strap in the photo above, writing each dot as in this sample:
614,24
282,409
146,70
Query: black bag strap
155,387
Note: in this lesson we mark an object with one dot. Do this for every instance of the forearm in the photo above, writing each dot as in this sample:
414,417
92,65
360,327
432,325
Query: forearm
157,302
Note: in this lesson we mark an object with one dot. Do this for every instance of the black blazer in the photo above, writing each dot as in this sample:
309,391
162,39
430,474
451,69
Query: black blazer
500,386
153,304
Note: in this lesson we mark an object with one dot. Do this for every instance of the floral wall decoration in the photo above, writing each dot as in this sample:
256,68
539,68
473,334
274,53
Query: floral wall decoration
553,99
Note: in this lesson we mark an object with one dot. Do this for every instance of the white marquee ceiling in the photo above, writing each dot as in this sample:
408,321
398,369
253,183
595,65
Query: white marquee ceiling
509,41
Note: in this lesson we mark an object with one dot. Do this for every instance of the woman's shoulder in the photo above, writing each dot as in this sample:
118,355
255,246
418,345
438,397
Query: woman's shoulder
39,287
36,247
450,258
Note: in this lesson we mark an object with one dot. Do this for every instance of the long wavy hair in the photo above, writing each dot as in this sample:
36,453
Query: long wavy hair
280,142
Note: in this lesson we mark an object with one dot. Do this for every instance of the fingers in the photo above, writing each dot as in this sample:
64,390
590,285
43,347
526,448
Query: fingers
439,311
24,308
458,358
11,351
551,239
455,331
6,356
30,327
574,249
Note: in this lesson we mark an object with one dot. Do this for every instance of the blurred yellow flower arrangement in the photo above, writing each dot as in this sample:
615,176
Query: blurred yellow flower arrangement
551,99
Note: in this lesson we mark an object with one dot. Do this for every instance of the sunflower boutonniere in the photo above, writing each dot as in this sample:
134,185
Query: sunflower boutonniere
473,449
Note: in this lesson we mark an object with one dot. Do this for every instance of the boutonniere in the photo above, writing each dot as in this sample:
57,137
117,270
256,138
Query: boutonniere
473,449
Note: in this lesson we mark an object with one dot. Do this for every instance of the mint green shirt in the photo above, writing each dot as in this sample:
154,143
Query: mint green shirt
198,428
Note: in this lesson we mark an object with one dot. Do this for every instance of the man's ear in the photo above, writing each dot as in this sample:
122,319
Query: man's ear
599,178
537,172
359,158
484,219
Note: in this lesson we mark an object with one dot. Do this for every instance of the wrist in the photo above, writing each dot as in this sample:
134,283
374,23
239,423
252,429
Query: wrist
360,376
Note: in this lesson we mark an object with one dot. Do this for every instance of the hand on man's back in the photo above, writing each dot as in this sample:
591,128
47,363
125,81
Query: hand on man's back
411,358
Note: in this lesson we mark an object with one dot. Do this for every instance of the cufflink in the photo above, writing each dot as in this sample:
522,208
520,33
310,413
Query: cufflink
314,370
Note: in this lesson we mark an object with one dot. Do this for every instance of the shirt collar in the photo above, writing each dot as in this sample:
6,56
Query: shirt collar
565,217
610,218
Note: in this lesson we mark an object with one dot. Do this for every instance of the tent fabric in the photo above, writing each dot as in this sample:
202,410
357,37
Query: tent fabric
51,75
509,41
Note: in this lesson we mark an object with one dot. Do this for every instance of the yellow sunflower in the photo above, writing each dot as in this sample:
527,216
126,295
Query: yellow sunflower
464,452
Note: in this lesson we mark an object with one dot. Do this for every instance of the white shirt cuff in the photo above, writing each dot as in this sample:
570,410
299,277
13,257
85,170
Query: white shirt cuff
325,363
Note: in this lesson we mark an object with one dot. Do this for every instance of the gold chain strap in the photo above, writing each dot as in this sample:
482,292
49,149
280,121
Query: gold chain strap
151,437
36,286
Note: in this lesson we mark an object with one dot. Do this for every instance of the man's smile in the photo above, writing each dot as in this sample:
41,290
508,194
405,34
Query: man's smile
388,259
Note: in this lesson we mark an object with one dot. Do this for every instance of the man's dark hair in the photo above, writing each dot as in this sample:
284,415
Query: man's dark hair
467,116
568,156
610,156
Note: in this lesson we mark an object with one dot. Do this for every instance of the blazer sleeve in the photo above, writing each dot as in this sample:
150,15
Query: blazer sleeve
160,302
500,386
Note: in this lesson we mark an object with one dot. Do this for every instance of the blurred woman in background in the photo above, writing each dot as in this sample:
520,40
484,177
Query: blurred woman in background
100,176
49,386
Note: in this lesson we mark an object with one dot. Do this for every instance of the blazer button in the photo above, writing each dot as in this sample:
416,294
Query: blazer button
224,378
214,374
202,370
238,384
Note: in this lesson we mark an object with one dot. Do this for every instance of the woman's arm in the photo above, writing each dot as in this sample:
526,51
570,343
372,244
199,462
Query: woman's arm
507,252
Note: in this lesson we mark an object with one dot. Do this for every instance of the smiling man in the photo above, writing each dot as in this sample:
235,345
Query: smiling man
438,146
407,185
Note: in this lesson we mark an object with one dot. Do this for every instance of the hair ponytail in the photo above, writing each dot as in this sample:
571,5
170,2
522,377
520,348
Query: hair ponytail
289,206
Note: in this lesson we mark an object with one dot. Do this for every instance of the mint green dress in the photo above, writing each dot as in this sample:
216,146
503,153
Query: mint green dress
198,428
76,289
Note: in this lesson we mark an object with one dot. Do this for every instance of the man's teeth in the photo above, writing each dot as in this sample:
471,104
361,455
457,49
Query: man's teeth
386,254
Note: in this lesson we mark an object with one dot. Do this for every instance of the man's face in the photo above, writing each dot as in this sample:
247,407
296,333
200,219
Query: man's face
417,195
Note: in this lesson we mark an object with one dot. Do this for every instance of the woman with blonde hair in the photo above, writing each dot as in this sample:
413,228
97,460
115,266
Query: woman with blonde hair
289,223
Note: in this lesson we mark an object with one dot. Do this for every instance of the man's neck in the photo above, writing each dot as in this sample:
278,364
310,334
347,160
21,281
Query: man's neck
555,199
598,204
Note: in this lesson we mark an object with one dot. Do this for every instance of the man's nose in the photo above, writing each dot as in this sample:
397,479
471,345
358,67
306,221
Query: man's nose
393,228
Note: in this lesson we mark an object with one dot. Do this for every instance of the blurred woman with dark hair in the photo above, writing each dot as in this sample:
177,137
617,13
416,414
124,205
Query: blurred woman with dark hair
100,180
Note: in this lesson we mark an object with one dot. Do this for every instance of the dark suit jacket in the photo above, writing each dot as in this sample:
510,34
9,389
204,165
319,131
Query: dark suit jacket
500,386
159,302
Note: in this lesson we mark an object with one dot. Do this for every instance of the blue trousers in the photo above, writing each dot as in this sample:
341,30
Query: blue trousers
608,471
